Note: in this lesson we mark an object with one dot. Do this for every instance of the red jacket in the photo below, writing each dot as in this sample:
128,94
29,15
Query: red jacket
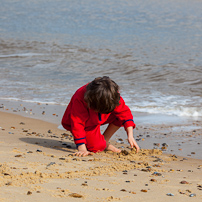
78,118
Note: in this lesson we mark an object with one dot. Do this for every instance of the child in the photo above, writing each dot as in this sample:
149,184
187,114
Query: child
93,105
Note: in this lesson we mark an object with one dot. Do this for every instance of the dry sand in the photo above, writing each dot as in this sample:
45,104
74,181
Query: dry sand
37,164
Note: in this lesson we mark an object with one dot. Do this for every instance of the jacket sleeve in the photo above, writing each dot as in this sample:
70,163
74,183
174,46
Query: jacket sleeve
79,115
123,113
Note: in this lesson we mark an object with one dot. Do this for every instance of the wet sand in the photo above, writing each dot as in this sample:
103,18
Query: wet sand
37,164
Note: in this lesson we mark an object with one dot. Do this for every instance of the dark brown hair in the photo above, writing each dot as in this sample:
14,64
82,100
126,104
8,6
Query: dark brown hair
102,95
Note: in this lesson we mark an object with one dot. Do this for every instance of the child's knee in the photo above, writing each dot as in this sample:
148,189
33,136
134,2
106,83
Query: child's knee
98,147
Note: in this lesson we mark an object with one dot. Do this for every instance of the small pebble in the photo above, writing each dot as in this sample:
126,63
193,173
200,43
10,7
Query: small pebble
18,155
50,164
84,184
199,186
120,142
9,183
157,144
29,193
62,159
192,195
157,174
184,182
170,194
132,192
38,150
123,190
75,195
143,190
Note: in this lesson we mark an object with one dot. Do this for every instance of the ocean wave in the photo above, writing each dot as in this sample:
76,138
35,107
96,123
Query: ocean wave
157,103
177,111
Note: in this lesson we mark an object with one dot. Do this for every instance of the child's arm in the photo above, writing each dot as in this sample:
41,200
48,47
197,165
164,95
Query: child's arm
131,139
82,151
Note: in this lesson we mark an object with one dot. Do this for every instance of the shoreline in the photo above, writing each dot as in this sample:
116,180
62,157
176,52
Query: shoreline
177,135
37,164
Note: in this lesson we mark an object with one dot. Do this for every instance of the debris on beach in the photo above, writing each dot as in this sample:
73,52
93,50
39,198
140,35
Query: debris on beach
143,190
192,195
157,174
29,193
50,164
184,182
170,194
18,155
75,195
39,169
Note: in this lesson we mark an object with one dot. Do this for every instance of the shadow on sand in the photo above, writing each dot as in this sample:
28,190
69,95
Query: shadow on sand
51,143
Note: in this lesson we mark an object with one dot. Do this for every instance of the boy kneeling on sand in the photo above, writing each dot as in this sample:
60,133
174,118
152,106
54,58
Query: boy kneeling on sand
95,104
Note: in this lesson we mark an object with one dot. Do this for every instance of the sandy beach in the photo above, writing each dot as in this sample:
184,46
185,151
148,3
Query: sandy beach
152,49
37,164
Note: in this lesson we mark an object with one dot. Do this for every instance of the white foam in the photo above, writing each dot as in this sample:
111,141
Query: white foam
34,101
178,111
20,55
166,104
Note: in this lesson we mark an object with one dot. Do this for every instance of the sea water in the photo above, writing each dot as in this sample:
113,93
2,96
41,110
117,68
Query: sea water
151,48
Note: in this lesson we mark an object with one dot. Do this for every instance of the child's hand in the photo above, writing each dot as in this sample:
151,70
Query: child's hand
83,151
133,143
131,139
